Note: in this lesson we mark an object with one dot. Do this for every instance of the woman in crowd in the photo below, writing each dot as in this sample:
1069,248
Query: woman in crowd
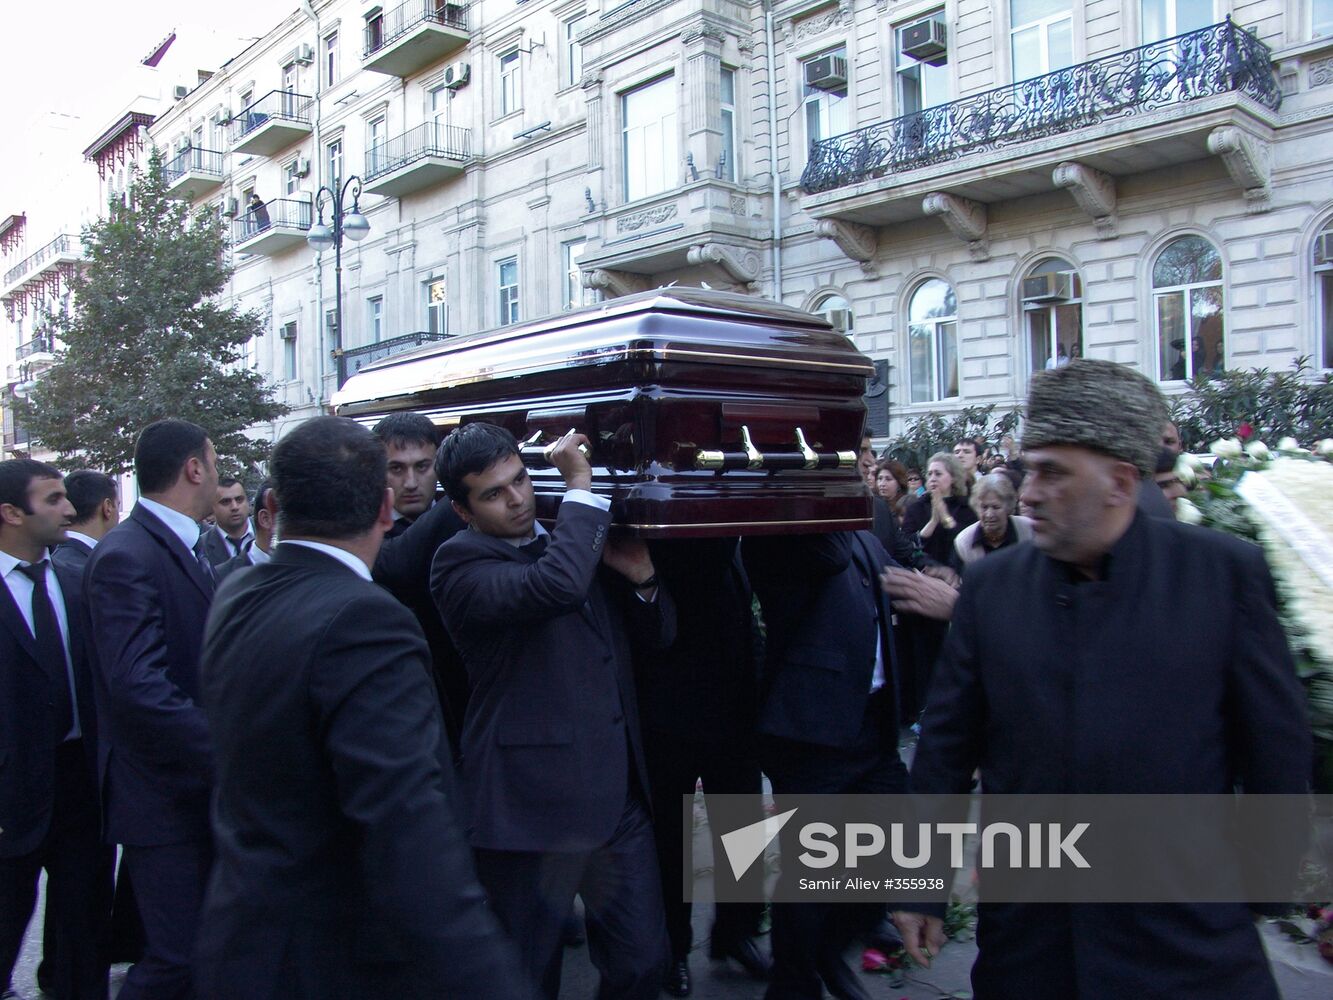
993,500
891,484
943,512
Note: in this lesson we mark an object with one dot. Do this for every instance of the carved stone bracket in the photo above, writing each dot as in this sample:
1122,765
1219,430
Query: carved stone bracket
740,266
615,283
856,241
1249,161
965,218
707,30
1094,193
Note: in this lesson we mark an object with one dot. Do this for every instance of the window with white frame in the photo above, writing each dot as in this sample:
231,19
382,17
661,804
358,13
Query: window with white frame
1323,282
289,351
569,29
827,110
649,139
375,151
575,294
1189,309
932,334
330,58
1168,18
375,318
1321,18
1052,301
291,176
437,306
290,77
333,159
1041,36
920,84
511,83
727,169
507,281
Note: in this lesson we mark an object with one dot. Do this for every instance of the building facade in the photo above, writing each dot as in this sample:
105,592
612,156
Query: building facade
972,190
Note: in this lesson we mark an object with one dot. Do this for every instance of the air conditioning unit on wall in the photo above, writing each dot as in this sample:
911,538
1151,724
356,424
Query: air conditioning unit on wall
826,73
1058,286
1323,248
180,92
927,41
457,75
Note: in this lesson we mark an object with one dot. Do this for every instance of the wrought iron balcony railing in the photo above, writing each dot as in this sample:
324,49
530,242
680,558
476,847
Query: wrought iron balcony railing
352,360
282,213
390,26
192,160
280,105
430,139
65,245
43,343
1218,59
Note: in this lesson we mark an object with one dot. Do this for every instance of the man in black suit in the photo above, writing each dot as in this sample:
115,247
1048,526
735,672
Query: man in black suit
342,868
96,503
152,585
828,720
48,798
552,764
410,439
261,549
230,535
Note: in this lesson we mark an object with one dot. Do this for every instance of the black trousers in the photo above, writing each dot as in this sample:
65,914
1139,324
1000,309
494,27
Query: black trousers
808,936
169,883
726,766
78,886
532,892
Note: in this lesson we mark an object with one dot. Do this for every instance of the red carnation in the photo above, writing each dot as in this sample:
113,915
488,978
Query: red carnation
1245,431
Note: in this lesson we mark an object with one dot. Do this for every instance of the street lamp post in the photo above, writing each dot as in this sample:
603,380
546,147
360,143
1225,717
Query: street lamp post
351,224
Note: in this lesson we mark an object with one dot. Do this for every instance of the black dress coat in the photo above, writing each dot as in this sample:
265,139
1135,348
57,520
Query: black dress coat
1170,675
341,869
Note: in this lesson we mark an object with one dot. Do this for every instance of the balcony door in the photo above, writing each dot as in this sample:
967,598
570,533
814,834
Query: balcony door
1041,36
289,78
439,117
1168,18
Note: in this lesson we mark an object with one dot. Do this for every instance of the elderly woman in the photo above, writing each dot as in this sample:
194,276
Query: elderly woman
993,500
943,512
891,484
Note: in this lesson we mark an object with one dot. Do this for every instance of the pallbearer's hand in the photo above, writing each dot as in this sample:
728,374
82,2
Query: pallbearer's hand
571,462
629,557
923,936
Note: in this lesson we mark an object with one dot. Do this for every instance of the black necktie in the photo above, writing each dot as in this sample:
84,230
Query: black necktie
535,547
50,646
205,564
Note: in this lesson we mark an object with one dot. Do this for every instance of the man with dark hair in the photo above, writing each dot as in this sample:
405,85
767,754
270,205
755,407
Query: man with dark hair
260,549
410,440
230,535
96,511
552,766
48,796
333,776
968,453
149,586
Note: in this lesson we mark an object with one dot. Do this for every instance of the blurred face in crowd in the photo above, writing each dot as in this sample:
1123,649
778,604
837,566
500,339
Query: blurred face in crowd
1171,437
938,479
886,485
994,516
913,481
966,453
500,500
231,509
1171,485
51,516
1076,498
412,477
866,463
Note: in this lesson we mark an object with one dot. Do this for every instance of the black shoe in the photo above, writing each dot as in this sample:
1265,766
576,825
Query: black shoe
884,936
677,980
747,953
840,980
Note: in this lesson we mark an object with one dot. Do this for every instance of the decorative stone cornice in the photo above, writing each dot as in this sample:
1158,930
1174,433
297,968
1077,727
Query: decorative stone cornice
965,218
741,266
706,30
1093,192
856,241
648,217
1249,161
613,284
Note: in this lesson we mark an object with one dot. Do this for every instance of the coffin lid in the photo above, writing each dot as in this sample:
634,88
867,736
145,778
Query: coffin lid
678,324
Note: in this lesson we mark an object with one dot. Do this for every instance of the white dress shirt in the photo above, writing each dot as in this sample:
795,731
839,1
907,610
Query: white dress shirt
21,588
79,536
182,526
352,562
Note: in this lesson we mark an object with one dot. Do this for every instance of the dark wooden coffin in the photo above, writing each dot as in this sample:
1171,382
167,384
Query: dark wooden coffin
709,413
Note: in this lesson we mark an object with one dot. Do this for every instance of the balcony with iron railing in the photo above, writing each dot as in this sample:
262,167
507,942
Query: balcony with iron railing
276,226
64,249
427,155
1153,106
38,348
272,123
405,39
193,173
352,360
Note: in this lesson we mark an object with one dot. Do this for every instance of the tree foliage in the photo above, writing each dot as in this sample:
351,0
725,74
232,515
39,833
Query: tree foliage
1294,403
147,339
931,433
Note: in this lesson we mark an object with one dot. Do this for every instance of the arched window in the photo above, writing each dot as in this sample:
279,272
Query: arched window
932,332
1053,312
1188,309
837,311
1323,283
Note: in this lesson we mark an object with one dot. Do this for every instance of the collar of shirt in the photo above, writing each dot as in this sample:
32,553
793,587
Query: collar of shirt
10,563
537,532
79,536
258,556
235,545
182,525
333,552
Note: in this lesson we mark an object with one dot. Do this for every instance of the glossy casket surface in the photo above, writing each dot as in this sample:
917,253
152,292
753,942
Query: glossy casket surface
709,413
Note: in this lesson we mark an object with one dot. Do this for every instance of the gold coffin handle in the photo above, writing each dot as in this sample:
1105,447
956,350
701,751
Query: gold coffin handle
530,448
714,460
753,455
808,453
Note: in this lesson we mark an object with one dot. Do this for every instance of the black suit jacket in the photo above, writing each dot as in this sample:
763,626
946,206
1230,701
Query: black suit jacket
341,869
72,556
148,599
551,735
820,595
28,736
216,547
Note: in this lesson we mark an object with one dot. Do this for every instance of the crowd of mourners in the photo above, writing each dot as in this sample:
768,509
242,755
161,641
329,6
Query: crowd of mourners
371,729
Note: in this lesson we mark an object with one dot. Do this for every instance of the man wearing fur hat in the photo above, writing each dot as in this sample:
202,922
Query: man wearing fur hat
1151,661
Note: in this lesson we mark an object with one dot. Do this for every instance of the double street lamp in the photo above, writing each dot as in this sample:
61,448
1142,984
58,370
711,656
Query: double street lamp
352,224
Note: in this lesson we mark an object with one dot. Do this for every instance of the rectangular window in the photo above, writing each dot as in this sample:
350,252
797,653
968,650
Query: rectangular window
1041,36
1321,18
290,76
437,306
573,50
291,181
934,360
330,328
1324,283
1168,18
375,318
575,294
289,351
333,159
827,110
507,275
726,169
1190,331
374,29
330,59
511,95
920,85
650,139
375,152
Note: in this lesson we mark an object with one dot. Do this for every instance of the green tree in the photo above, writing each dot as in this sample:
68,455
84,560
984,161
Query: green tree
146,339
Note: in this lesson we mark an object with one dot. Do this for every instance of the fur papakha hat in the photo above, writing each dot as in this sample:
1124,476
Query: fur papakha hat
1100,405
